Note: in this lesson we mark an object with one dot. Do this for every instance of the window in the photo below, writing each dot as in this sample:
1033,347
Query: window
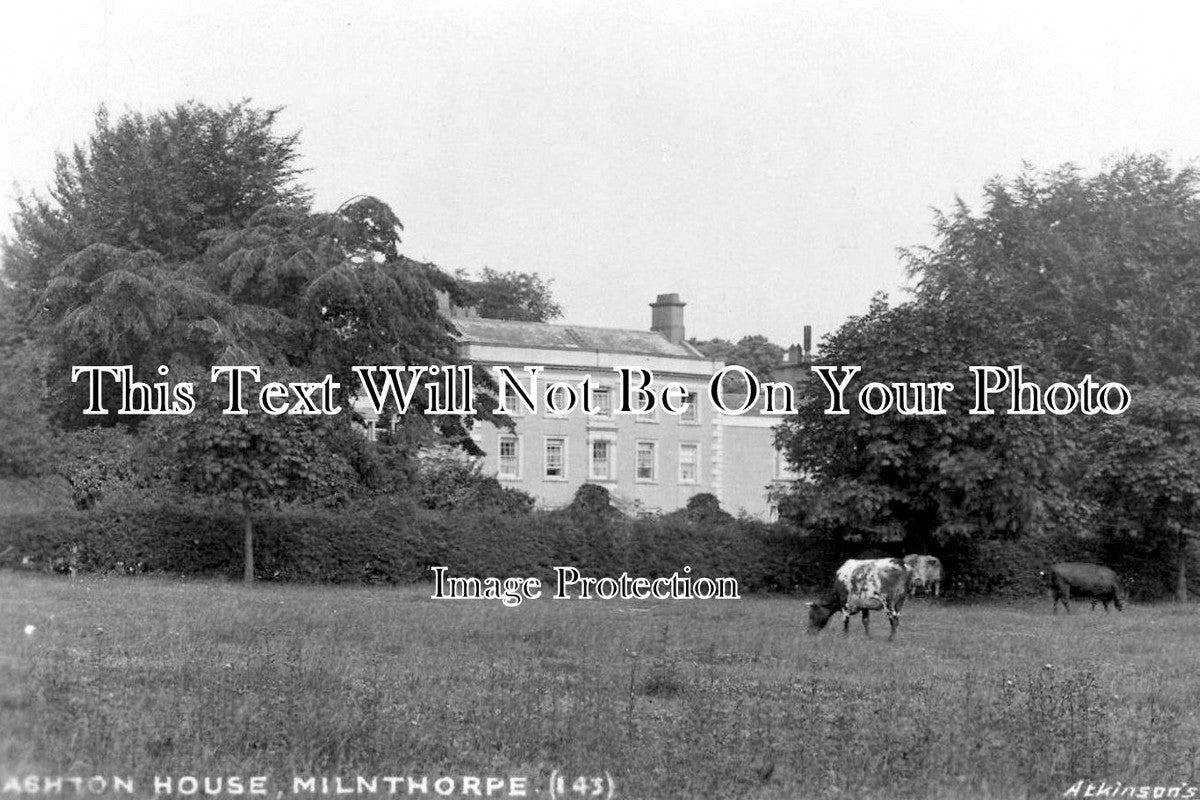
692,414
645,462
689,463
648,416
561,397
556,459
600,468
602,401
372,431
510,457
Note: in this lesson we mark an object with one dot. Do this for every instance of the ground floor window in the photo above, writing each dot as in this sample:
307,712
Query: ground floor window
689,463
510,457
556,459
603,451
645,461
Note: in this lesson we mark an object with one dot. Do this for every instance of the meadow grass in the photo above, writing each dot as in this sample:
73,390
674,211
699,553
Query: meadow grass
147,676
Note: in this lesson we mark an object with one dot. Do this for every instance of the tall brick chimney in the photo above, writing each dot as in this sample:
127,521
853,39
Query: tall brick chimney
666,317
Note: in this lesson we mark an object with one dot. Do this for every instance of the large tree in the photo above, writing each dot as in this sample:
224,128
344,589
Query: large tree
154,182
1070,274
255,460
928,478
1105,267
1146,467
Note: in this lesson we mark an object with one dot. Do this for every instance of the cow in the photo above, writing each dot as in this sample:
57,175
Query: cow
1077,579
866,586
926,573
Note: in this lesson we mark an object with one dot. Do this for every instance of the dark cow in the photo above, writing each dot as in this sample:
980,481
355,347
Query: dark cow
1079,580
926,573
866,586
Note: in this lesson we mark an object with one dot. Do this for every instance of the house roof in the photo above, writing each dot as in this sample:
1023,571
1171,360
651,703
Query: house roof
476,330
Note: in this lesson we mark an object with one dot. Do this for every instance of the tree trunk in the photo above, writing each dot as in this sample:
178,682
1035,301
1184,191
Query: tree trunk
1181,588
247,543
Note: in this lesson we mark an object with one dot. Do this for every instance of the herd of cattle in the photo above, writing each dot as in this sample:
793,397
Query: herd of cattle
868,585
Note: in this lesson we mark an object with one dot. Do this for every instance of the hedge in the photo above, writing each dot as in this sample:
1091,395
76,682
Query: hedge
390,541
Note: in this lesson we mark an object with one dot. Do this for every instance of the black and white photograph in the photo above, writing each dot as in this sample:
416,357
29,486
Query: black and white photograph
556,399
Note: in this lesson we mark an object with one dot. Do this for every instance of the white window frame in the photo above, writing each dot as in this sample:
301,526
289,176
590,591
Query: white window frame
695,463
561,440
691,416
611,474
605,391
500,439
372,430
637,452
560,414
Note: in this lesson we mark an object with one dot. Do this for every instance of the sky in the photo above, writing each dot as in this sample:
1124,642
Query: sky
764,160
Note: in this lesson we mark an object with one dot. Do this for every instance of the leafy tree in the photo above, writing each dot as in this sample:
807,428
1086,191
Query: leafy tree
522,296
154,182
111,306
755,353
326,292
1104,272
1146,467
1104,268
1067,274
929,478
255,460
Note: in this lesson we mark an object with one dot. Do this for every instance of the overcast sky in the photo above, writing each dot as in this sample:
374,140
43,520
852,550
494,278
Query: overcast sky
764,160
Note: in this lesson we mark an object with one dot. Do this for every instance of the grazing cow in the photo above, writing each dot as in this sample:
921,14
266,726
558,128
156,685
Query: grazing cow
866,586
1076,579
926,573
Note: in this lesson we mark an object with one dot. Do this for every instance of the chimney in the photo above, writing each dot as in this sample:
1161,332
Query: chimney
666,317
808,342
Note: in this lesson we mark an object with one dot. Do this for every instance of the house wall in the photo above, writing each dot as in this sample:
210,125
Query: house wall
671,439
750,464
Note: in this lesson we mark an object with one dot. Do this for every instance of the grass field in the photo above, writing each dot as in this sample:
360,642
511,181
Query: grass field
144,677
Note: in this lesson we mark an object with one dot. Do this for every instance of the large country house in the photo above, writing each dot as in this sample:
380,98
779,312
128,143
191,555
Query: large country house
651,462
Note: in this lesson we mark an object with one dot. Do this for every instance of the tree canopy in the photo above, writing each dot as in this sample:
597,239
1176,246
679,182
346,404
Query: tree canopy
154,182
1067,274
756,353
521,296
1104,267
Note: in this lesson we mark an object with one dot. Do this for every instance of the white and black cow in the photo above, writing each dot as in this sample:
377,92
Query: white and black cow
1078,579
926,573
866,586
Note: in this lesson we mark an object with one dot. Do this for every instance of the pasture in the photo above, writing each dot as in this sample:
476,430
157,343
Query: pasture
147,676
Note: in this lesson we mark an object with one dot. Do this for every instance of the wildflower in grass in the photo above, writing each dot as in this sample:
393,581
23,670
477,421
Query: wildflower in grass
29,629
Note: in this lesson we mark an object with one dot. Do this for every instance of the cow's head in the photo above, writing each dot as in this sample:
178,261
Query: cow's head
819,614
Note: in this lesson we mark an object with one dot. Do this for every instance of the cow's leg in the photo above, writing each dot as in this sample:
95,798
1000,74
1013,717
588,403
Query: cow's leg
867,622
894,621
846,622
937,589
